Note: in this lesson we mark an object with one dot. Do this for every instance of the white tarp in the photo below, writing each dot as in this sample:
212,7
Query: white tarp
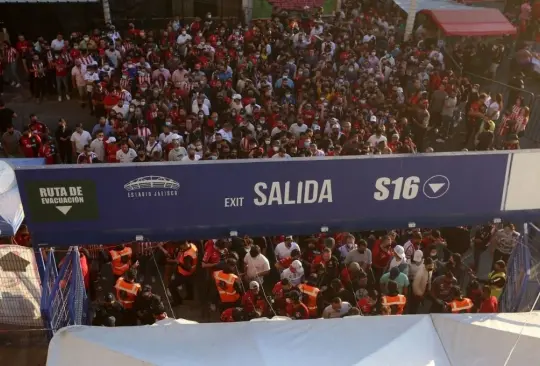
410,340
369,341
20,288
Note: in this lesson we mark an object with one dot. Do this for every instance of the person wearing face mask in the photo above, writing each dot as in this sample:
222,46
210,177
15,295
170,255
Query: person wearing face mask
161,71
97,146
114,56
349,246
178,152
256,265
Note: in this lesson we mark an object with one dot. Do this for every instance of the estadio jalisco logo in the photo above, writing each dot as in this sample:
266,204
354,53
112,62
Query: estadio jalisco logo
151,186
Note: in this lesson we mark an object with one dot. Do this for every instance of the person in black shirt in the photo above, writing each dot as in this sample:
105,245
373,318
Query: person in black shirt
109,313
6,117
63,141
141,157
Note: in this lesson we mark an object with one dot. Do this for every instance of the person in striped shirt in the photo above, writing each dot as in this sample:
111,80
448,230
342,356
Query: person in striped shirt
12,57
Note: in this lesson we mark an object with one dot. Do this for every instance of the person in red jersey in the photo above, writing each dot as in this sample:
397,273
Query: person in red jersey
489,303
296,309
38,127
47,151
231,315
30,143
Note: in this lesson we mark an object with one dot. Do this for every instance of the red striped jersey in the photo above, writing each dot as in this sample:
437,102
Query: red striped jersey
144,79
88,60
11,55
125,83
67,58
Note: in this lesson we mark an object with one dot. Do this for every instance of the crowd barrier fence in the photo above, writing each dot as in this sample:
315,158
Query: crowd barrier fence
64,300
522,287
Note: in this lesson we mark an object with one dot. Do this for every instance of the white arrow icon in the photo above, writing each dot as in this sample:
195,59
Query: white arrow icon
64,209
435,187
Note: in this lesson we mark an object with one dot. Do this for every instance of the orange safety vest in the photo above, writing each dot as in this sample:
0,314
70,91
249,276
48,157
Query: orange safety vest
225,286
121,260
191,252
461,306
395,303
126,292
312,293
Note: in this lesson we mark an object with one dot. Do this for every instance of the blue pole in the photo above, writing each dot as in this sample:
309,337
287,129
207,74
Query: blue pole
39,261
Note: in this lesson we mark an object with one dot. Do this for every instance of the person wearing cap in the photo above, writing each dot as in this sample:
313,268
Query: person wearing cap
421,285
399,260
143,305
284,249
393,301
253,300
295,308
295,273
227,284
398,277
178,152
417,261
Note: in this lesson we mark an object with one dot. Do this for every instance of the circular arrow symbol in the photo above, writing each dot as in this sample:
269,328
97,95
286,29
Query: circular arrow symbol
436,186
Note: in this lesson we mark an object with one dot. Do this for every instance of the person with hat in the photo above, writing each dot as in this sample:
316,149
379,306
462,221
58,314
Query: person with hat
284,248
399,260
401,280
295,273
254,300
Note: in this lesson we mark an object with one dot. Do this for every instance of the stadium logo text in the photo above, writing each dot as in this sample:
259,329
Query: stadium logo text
151,186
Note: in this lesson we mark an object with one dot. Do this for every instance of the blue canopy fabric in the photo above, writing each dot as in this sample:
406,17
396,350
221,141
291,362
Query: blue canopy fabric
11,209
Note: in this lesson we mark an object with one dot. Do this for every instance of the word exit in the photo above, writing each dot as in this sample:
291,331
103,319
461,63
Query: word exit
234,201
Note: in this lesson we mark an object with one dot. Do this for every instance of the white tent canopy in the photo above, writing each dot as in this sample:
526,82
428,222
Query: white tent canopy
416,340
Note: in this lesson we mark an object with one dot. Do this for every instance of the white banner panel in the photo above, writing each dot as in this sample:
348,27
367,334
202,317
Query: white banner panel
20,287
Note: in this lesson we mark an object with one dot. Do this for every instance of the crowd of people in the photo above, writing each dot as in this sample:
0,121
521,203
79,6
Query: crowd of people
280,88
297,85
328,276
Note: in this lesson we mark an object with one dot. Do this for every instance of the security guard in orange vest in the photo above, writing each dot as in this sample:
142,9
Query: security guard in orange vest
120,258
310,295
127,291
460,304
228,284
393,303
186,265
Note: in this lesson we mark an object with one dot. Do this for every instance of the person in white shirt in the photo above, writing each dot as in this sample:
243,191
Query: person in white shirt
58,44
125,154
298,128
295,273
284,249
336,309
226,132
90,77
376,138
191,156
281,154
315,150
183,38
121,107
80,138
97,146
256,264
165,138
153,148
178,153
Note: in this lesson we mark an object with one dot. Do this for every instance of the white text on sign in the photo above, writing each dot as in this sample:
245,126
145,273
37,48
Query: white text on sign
400,188
61,195
234,201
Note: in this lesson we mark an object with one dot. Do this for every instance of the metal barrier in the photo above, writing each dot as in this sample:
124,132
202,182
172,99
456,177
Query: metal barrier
64,300
522,286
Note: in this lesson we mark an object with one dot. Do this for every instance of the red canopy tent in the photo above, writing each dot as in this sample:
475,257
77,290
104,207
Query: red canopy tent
471,22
